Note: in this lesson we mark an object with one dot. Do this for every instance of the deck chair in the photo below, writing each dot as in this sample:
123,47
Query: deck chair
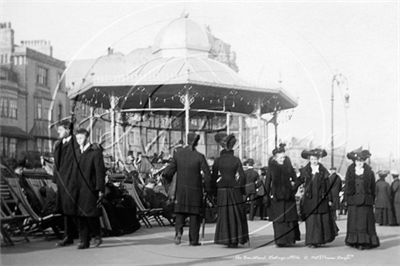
11,223
143,212
34,222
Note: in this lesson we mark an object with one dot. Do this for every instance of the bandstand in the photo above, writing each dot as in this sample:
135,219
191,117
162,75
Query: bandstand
179,87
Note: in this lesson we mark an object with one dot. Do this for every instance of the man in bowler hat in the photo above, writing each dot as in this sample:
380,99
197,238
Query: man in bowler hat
189,165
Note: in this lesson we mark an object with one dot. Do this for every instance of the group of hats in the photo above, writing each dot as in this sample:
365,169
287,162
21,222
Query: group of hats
226,141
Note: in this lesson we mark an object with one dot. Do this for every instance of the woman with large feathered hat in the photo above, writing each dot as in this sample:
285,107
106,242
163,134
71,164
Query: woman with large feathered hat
359,196
281,185
320,225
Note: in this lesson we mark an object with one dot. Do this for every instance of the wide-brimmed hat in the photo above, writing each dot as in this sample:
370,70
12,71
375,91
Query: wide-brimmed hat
250,162
193,138
383,173
394,173
320,153
230,142
359,154
279,149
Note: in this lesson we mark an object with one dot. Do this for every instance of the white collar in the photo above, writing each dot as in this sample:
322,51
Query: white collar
67,139
314,168
85,147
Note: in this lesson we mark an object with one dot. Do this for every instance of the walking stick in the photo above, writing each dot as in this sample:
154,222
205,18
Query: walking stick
204,217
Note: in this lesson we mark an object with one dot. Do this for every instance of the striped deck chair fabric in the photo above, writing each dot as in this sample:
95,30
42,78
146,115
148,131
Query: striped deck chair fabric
11,223
22,204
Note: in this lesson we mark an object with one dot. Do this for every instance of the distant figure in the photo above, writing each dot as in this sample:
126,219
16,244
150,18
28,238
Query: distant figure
336,186
383,205
188,164
320,225
252,183
360,197
231,229
396,194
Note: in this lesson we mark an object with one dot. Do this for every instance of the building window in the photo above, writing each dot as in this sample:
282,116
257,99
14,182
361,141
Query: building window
39,145
4,107
84,110
41,76
13,108
39,108
59,112
98,135
2,149
46,109
13,148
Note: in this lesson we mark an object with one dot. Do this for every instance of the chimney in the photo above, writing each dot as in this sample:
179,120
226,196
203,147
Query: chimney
41,46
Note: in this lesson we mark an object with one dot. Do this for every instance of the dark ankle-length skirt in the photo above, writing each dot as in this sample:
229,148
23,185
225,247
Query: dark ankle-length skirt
232,228
286,233
361,227
320,229
384,216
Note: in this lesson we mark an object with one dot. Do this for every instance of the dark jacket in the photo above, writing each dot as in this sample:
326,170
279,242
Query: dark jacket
316,190
188,165
65,162
336,183
383,195
396,191
363,194
252,181
280,191
224,172
91,180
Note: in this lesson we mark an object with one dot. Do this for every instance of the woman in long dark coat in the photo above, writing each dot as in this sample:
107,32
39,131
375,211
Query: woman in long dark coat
232,228
384,214
91,185
320,225
360,197
281,186
395,187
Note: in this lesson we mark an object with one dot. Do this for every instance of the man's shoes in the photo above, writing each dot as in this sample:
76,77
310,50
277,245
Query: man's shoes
195,244
97,241
177,240
233,245
83,246
65,242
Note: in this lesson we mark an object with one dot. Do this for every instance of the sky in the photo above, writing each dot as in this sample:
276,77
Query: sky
304,44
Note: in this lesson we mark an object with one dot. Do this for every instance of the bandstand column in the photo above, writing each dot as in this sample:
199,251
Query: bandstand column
187,114
228,122
241,137
259,132
91,123
113,104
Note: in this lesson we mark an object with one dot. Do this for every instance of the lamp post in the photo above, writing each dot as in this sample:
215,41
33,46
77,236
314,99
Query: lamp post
339,80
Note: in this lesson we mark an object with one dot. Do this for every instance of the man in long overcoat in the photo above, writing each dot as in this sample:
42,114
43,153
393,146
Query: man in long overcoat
91,185
189,165
252,183
65,178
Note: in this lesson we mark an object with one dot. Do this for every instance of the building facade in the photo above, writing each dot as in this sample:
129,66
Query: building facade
33,96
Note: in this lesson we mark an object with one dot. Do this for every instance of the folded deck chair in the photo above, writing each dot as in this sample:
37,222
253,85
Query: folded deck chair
145,213
11,223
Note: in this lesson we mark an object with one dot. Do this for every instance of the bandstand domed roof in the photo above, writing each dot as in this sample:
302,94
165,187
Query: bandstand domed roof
182,35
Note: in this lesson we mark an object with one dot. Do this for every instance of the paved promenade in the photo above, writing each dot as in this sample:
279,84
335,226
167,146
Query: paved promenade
155,247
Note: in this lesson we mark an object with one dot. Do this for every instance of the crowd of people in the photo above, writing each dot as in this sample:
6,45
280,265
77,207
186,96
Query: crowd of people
277,192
